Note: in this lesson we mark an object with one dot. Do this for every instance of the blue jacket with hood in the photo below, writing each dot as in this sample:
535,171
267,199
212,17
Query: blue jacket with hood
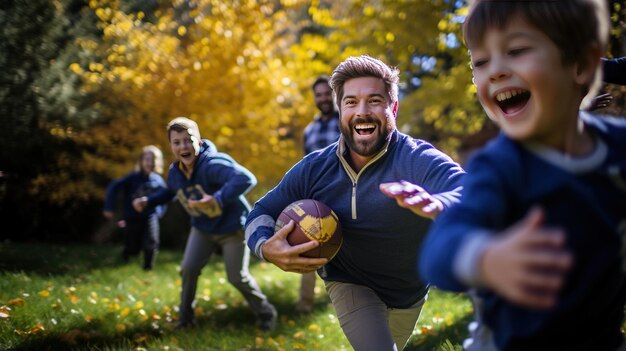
216,174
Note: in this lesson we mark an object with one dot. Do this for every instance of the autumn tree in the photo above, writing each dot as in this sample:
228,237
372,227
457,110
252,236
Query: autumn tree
225,65
40,103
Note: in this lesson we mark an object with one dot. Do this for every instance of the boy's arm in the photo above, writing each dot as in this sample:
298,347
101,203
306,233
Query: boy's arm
158,198
110,196
527,263
465,249
236,180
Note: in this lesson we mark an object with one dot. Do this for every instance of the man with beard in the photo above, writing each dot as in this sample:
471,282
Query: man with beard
321,132
324,129
372,282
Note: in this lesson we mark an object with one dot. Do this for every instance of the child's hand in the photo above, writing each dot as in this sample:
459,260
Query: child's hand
107,214
413,197
207,204
140,204
600,101
528,263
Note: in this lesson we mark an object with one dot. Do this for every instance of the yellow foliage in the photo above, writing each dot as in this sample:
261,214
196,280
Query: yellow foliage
244,74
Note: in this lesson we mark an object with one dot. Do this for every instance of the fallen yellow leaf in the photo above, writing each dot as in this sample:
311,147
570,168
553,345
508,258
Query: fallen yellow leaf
16,302
124,312
259,341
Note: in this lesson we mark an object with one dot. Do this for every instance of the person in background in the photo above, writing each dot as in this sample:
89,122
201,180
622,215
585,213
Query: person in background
614,72
319,133
538,237
141,229
211,186
372,281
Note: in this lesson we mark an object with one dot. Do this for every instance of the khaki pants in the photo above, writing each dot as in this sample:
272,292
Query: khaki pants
367,322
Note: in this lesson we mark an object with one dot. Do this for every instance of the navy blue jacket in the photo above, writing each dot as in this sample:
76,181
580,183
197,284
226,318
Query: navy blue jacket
133,185
216,174
587,199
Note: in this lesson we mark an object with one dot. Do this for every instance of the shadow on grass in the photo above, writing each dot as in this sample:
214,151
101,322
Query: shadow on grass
49,259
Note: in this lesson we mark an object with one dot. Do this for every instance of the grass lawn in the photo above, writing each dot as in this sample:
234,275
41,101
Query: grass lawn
84,298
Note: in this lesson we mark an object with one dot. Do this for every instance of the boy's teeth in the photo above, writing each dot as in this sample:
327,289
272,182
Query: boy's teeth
508,94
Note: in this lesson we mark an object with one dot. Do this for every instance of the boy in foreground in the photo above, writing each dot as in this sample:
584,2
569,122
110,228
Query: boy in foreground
540,227
211,187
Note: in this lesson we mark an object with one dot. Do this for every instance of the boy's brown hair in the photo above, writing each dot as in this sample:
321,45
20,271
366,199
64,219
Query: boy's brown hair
575,26
183,124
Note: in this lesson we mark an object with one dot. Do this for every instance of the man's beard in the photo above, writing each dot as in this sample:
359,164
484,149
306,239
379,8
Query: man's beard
372,147
325,108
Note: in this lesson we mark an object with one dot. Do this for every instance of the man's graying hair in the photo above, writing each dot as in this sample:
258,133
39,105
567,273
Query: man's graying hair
364,66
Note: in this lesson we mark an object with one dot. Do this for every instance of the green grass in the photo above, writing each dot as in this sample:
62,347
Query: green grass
84,298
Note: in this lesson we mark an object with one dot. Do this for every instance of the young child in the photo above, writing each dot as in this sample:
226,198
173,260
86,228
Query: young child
141,230
211,187
539,232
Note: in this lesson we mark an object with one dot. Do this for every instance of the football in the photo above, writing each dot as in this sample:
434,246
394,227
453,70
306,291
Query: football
313,221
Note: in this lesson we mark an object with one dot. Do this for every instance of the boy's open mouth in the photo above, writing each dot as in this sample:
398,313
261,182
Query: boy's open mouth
512,101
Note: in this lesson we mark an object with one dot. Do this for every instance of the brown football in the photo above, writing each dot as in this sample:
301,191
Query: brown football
313,221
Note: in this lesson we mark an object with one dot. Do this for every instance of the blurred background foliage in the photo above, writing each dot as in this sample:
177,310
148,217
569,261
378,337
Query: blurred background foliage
86,83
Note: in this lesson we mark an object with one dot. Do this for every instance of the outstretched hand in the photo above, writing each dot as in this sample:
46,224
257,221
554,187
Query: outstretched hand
528,263
413,197
279,252
600,101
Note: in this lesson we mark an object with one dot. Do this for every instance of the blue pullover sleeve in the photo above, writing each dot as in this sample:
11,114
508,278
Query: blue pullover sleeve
437,173
260,222
112,191
236,180
160,197
450,253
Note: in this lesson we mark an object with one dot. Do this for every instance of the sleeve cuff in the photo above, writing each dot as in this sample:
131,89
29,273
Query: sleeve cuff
258,249
465,266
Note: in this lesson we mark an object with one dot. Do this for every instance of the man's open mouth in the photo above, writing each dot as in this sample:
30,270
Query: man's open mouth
364,128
